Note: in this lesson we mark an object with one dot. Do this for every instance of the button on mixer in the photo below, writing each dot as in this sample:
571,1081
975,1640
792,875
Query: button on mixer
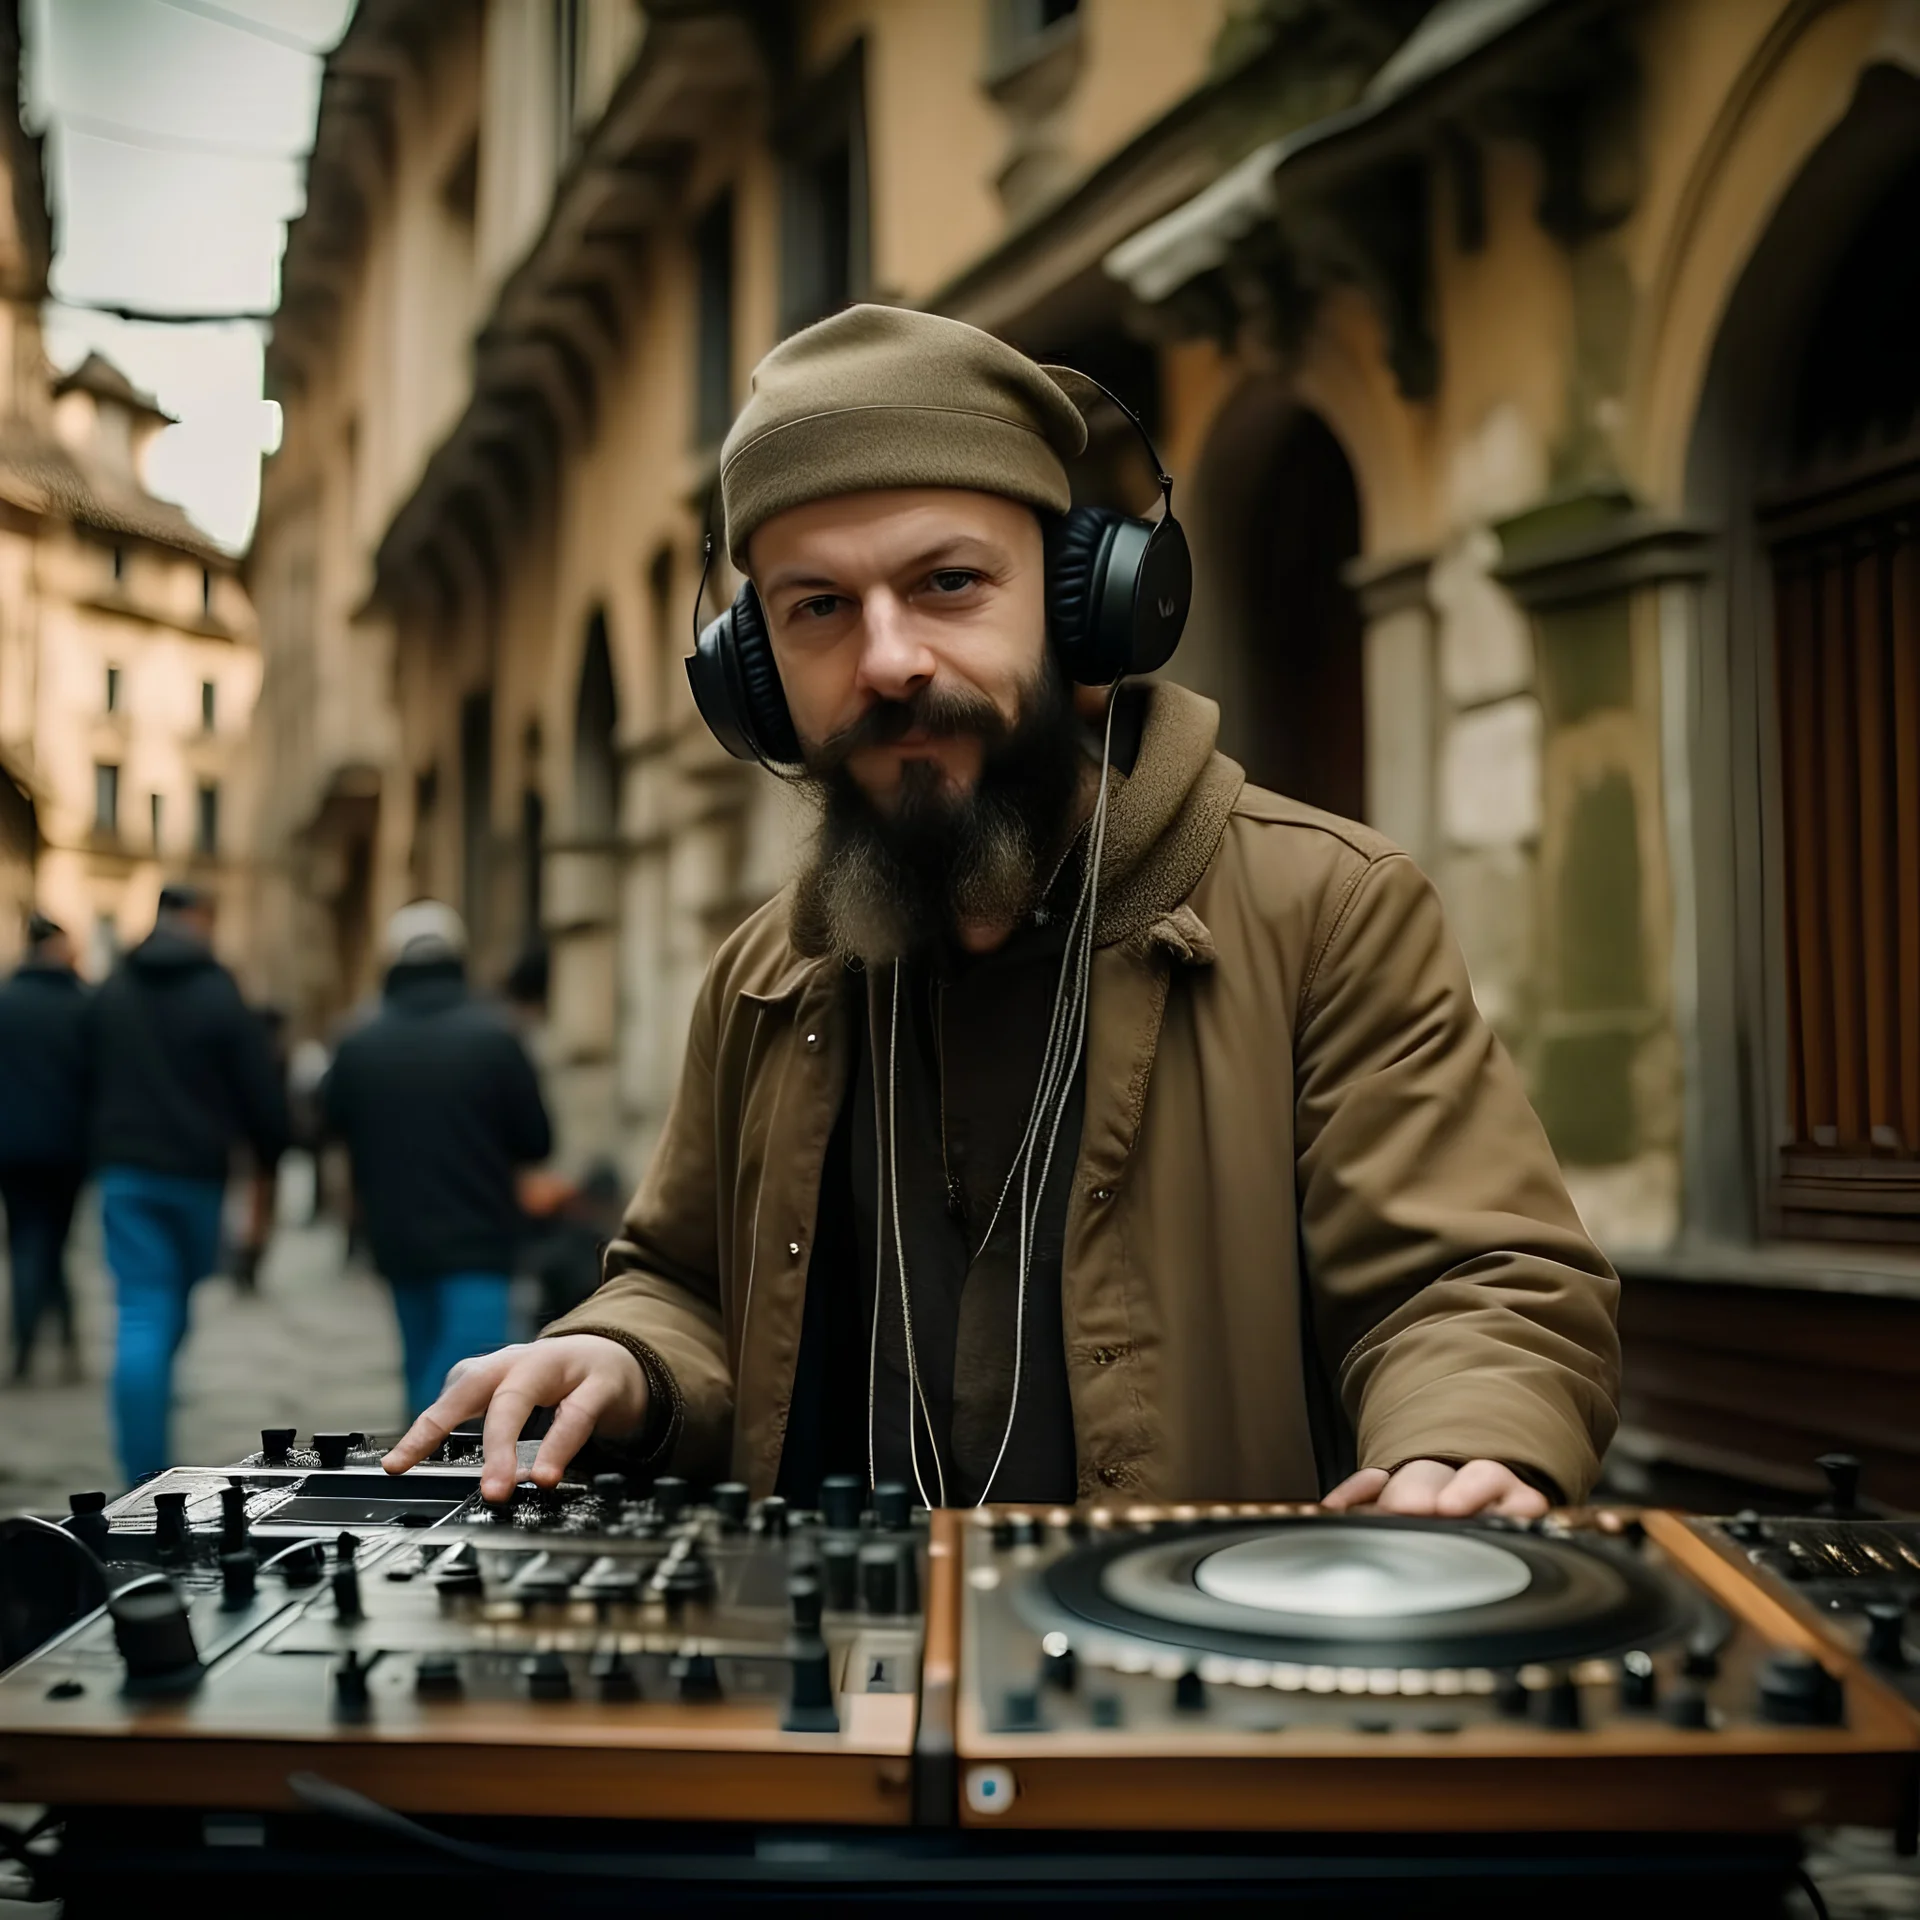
333,1449
841,1499
696,1676
547,1676
436,1676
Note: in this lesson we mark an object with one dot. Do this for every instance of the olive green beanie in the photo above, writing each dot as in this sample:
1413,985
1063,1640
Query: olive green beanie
885,397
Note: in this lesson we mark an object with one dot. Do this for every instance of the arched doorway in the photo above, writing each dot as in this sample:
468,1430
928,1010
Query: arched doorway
1281,520
596,718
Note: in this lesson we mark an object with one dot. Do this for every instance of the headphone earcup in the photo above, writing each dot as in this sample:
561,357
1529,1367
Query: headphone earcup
1075,542
1118,590
769,724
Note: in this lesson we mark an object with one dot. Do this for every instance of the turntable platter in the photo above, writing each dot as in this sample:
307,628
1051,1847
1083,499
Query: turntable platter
1362,1591
1345,1574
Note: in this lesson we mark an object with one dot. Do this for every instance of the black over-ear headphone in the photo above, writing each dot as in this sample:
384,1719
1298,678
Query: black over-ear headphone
1118,590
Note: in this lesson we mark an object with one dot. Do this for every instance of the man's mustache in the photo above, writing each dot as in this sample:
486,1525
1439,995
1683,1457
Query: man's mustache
941,713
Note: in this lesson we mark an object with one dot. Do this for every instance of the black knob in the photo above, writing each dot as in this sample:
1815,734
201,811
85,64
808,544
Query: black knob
841,1498
233,1516
1190,1692
1510,1697
546,1676
1797,1691
1702,1658
350,1687
275,1444
170,1529
839,1570
1059,1664
689,1577
879,1578
1886,1633
1843,1482
1026,1530
1001,1534
810,1707
333,1449
346,1594
670,1497
1748,1528
300,1565
610,1488
730,1503
773,1517
437,1675
239,1577
464,1446
696,1676
616,1680
1639,1684
803,1603
1688,1711
892,1507
153,1633
457,1575
87,1520
1563,1708
906,1576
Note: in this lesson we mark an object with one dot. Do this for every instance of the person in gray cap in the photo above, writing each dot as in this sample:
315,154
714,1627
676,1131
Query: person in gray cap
439,1108
1082,1122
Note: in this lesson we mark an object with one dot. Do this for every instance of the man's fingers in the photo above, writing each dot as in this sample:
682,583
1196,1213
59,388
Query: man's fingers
574,1420
1356,1490
459,1400
1479,1487
1415,1489
1523,1502
507,1413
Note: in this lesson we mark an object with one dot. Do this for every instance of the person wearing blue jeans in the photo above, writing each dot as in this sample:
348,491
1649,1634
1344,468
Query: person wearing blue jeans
162,1233
444,1321
440,1108
182,1070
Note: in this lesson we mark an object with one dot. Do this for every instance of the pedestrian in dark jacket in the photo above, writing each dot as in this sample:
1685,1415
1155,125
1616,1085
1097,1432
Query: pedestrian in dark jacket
45,1076
183,1071
439,1107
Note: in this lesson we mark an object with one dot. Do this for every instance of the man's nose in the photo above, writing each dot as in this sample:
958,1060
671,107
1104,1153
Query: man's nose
894,662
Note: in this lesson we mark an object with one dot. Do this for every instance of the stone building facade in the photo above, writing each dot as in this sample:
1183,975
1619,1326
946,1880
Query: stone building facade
128,663
1531,372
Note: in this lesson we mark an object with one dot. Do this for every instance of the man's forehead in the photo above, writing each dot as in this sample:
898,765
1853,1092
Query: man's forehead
882,533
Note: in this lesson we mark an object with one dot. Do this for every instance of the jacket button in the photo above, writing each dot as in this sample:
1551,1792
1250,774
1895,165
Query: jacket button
1109,1476
793,1247
813,1043
1103,1193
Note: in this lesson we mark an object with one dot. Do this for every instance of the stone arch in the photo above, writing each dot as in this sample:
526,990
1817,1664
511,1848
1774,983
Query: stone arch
1277,521
1738,452
596,724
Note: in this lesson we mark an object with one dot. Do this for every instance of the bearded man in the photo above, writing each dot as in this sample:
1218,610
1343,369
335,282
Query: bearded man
1082,1122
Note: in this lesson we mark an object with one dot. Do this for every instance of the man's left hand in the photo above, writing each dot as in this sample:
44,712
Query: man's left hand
1430,1487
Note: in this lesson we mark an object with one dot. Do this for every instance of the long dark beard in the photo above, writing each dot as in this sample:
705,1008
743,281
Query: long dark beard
880,885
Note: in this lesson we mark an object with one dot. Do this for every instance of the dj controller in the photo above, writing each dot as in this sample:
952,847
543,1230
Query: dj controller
302,1665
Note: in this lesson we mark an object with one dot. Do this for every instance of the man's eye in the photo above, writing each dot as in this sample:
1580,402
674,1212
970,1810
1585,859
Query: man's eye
820,607
953,579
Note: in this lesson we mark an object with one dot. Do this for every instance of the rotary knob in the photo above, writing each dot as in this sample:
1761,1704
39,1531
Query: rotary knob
171,1534
87,1520
1886,1633
154,1635
610,1489
1190,1692
773,1517
346,1580
696,1676
547,1676
436,1676
1843,1482
1563,1706
841,1499
670,1497
276,1443
840,1570
892,1507
233,1516
351,1700
333,1449
1639,1685
730,1501
810,1707
616,1680
1797,1691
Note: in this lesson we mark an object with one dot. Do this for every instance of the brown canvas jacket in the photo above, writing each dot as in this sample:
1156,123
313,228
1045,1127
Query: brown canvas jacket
1306,1162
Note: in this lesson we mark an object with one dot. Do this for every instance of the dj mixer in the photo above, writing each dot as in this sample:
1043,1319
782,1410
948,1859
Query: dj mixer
1218,1689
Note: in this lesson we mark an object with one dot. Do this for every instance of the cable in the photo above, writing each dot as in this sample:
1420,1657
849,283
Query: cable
1813,1893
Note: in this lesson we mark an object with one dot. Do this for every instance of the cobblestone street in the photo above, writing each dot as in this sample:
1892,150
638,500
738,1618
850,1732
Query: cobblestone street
315,1346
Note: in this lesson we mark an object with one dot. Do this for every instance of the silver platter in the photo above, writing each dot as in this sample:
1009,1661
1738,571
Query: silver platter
1342,1573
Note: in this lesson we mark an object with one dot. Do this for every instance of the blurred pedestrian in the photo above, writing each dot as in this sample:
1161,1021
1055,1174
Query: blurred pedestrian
183,1073
439,1107
44,1083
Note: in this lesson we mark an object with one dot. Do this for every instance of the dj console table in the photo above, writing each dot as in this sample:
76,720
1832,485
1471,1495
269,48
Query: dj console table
298,1678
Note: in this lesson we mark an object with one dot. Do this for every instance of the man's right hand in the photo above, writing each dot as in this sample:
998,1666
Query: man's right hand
593,1385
